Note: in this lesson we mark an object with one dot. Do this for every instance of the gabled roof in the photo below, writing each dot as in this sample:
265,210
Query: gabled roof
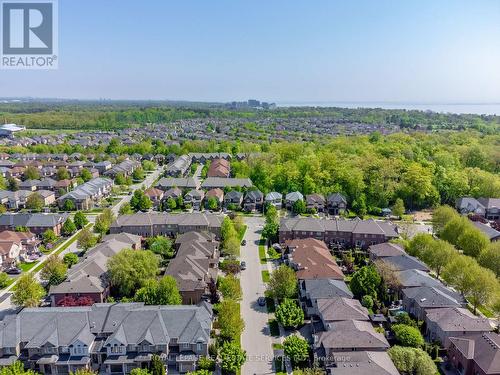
338,309
430,297
272,196
362,363
456,319
484,349
351,334
386,249
312,260
326,288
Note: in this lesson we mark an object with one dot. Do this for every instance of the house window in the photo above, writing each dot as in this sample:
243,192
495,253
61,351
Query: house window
199,346
185,346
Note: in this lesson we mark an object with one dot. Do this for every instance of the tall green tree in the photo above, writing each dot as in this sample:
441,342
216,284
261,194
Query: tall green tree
289,314
232,357
366,281
283,283
162,292
131,269
27,292
230,322
296,348
54,270
157,367
68,227
35,202
80,220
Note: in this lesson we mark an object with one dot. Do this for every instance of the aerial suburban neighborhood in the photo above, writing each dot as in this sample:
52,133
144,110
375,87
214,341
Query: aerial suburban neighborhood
343,220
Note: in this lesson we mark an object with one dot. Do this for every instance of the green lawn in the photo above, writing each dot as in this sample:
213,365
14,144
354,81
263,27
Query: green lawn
241,234
274,327
25,267
8,282
265,276
262,251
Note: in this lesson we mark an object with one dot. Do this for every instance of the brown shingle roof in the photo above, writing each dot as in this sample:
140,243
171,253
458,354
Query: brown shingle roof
313,260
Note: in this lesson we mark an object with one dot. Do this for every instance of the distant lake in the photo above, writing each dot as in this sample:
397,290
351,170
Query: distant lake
478,109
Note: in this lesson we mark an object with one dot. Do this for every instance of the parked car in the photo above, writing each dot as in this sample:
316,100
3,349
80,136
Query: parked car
243,266
261,301
14,271
243,243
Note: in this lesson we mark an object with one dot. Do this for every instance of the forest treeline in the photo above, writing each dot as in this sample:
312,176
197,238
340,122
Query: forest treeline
423,169
116,115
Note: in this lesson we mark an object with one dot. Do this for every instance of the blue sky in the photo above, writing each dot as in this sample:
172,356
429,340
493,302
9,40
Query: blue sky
285,51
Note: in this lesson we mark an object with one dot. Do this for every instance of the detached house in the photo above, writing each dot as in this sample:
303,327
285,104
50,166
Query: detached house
194,198
233,197
336,204
315,202
274,199
217,194
293,197
253,201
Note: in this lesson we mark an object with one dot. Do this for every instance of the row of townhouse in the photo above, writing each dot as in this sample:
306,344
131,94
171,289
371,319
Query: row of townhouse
219,168
85,196
334,203
338,232
16,246
126,167
36,223
50,184
178,167
344,340
195,265
48,169
88,280
108,338
447,320
150,224
16,200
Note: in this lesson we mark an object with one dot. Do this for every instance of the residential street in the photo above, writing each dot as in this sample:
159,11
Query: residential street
256,339
148,181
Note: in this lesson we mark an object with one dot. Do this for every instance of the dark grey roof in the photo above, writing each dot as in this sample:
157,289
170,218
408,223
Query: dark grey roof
32,219
222,182
127,323
430,297
405,262
490,232
326,288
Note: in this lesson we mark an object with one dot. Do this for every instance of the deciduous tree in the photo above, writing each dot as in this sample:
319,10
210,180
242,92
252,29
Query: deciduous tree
54,270
289,314
130,270
283,283
27,292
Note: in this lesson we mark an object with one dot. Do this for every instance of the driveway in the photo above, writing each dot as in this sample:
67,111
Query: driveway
256,339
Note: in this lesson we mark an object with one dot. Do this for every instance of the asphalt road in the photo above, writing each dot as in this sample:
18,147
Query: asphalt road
256,339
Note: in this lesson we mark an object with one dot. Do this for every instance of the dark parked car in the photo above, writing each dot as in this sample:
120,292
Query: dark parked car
13,271
243,243
261,301
243,266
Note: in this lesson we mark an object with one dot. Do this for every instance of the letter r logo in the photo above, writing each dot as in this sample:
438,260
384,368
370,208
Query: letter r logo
27,28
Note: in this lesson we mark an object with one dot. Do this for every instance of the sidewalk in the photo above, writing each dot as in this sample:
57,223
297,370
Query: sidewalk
36,269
